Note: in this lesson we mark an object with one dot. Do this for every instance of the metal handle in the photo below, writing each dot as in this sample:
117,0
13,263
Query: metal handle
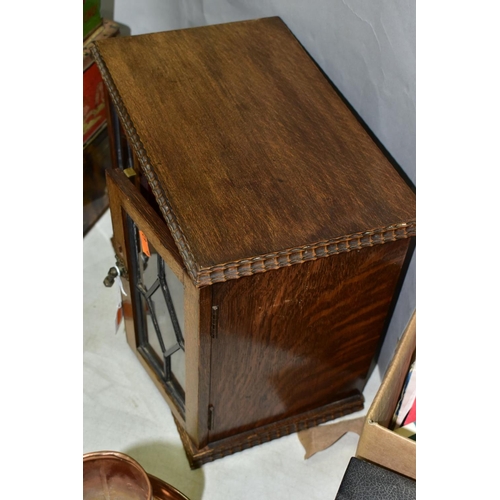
110,278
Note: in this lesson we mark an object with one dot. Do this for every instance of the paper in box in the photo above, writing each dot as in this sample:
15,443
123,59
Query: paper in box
379,444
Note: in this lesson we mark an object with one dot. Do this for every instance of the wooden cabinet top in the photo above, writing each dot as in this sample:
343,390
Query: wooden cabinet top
255,160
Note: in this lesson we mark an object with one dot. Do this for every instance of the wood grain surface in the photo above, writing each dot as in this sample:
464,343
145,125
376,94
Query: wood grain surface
299,338
124,198
197,456
250,149
256,164
143,214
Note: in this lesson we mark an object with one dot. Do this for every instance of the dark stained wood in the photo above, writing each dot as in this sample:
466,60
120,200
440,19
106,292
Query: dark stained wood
140,210
117,138
126,199
296,339
111,129
248,147
234,444
198,355
116,215
286,224
120,246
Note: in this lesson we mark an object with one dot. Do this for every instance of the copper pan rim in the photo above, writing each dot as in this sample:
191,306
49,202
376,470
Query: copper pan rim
96,455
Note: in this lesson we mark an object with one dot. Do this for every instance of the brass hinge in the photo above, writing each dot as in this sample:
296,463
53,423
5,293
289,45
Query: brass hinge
214,325
210,417
129,172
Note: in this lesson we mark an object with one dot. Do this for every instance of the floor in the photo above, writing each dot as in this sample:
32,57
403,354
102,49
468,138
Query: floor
123,411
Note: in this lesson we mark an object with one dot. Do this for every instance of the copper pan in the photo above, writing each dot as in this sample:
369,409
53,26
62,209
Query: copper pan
110,475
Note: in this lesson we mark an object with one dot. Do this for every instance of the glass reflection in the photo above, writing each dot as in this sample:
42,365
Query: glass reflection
162,315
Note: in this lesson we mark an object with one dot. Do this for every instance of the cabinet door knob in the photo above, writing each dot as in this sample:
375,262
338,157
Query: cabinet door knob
110,278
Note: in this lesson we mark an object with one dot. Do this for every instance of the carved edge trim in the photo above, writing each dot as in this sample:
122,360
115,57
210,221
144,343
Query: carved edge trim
285,258
244,267
217,450
135,141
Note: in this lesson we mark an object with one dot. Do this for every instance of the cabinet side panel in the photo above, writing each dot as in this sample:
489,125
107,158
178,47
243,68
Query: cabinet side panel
298,338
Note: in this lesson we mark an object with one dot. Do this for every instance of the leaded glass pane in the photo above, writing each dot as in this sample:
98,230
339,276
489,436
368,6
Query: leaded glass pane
162,314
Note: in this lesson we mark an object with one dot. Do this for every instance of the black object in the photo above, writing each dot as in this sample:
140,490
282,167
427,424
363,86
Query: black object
366,481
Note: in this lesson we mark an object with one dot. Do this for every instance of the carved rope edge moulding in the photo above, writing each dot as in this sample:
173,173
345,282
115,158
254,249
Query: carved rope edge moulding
143,158
285,258
254,265
208,454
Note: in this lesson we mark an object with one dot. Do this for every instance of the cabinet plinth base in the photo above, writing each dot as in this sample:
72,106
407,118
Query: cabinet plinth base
228,446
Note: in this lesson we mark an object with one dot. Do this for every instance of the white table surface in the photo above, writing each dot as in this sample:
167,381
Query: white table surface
123,411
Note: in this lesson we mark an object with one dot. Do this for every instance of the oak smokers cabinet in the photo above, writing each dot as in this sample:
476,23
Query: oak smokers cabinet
261,231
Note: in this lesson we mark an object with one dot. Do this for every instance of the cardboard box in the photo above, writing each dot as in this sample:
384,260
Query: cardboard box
378,444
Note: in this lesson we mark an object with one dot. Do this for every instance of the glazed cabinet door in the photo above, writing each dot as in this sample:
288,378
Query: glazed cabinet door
158,309
161,303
